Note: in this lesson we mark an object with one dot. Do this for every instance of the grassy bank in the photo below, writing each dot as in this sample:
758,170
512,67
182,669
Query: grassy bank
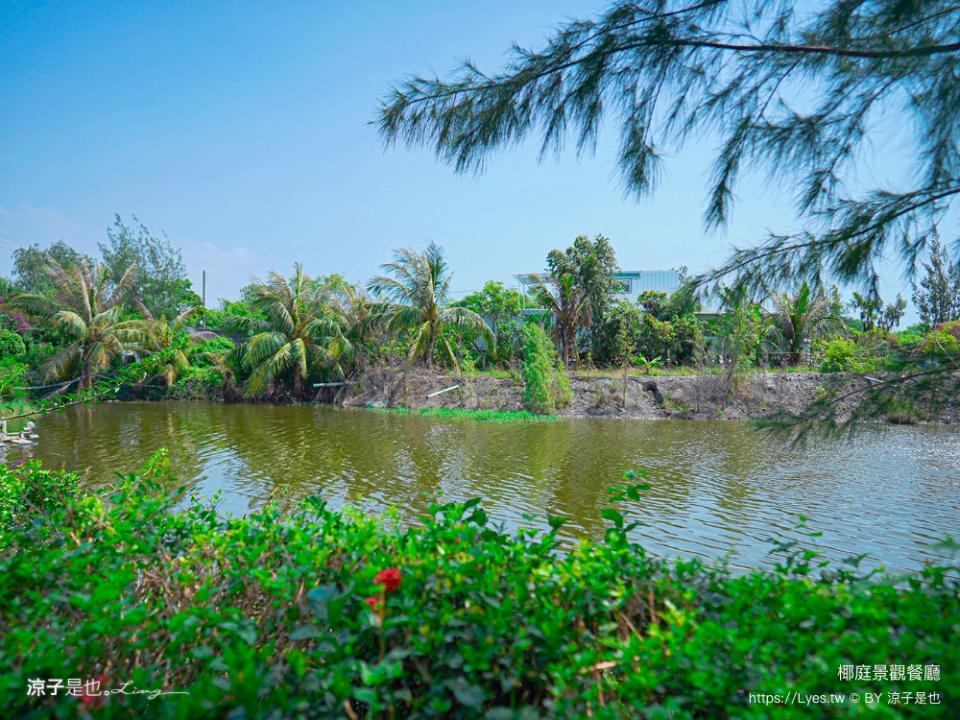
332,614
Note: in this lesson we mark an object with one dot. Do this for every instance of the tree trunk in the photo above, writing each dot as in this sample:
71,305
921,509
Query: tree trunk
297,381
86,378
428,357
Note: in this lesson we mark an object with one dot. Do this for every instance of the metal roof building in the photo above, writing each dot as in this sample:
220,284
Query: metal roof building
633,282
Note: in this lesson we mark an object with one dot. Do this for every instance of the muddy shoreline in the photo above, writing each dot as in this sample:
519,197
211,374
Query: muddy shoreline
750,396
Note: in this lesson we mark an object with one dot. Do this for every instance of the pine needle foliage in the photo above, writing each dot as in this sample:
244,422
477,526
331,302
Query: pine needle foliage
792,89
799,91
546,386
937,295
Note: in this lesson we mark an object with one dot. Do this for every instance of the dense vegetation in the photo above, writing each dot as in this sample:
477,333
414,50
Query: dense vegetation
333,613
67,321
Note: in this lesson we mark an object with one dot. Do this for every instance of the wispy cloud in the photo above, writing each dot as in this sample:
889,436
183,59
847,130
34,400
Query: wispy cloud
28,224
228,268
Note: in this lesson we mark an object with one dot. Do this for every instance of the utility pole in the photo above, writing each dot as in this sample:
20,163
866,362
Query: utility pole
203,298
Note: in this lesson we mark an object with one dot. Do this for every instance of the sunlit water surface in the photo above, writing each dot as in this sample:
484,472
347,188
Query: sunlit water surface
719,487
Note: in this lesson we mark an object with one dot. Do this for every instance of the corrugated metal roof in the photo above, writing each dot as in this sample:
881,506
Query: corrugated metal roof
667,281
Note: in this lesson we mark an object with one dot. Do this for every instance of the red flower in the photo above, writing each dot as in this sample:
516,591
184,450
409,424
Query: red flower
373,602
389,578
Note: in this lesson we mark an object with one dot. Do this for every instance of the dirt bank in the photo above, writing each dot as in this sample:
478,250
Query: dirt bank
708,396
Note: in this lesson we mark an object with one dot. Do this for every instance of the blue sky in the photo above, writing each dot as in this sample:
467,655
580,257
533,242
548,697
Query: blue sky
241,130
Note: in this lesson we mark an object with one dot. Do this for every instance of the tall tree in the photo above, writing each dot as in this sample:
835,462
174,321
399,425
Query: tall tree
415,292
31,264
301,332
874,315
358,313
570,306
938,295
168,343
494,302
592,265
792,88
500,306
807,315
85,307
161,283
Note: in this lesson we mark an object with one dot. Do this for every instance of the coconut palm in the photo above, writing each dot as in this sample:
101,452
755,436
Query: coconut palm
570,307
362,317
805,316
167,342
415,298
86,309
300,333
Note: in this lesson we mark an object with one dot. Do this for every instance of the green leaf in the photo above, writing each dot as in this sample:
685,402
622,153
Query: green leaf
366,695
305,632
555,521
326,602
471,696
614,516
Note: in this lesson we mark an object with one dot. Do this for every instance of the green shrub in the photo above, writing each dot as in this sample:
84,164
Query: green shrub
11,344
952,327
845,355
220,345
912,335
267,616
202,379
940,343
546,385
621,326
11,377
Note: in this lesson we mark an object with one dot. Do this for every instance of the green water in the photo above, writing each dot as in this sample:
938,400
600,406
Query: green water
718,486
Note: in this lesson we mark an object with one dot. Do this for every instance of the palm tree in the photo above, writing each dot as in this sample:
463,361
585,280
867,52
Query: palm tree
416,297
805,316
361,315
87,310
302,331
167,342
570,306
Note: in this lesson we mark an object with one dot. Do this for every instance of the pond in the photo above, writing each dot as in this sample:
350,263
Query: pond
719,487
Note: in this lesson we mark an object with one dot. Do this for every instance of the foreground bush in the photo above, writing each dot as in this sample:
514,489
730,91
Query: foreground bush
333,614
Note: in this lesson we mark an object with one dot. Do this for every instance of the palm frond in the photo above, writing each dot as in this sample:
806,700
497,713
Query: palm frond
180,319
263,346
34,304
123,286
421,341
270,367
63,364
469,320
70,322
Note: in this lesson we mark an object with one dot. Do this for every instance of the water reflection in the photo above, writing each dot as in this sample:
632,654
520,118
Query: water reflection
719,487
